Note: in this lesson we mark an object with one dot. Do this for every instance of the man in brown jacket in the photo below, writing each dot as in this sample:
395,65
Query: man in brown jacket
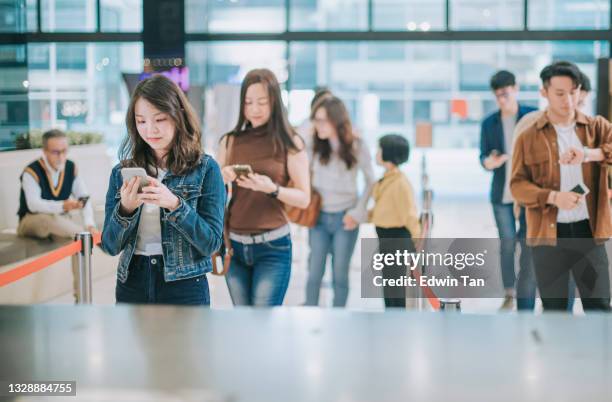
559,174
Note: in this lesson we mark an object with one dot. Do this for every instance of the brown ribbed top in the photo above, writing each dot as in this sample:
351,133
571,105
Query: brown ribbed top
253,211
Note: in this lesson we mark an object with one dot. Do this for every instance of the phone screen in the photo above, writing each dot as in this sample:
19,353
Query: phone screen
242,170
578,189
129,173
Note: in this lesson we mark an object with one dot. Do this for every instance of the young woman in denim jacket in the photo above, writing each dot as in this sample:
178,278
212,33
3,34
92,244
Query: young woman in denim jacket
337,155
167,232
263,139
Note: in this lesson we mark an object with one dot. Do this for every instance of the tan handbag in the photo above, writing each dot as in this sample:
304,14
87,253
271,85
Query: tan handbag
307,216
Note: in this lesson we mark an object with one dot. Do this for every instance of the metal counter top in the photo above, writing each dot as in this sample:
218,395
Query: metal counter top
308,354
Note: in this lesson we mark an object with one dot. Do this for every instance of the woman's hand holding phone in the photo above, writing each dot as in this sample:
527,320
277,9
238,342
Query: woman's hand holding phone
228,174
129,196
257,182
157,193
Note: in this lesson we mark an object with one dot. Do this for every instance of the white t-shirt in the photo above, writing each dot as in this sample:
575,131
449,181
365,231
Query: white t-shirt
149,240
571,175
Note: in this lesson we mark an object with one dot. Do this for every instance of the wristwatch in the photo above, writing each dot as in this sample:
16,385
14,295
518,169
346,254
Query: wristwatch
274,193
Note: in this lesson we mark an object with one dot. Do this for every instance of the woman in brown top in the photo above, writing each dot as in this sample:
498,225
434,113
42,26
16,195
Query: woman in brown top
259,231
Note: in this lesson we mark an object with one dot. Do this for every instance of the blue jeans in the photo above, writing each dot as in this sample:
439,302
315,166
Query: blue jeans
329,236
145,284
259,273
506,226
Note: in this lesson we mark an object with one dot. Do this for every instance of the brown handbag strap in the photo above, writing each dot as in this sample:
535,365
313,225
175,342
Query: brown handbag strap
229,148
227,243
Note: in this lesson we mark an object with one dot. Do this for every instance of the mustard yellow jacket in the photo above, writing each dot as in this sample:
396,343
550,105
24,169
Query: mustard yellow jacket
395,204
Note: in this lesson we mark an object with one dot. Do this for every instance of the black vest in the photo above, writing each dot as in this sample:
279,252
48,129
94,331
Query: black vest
47,191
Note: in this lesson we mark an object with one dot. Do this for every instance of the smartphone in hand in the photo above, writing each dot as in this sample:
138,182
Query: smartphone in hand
83,200
129,173
580,189
242,170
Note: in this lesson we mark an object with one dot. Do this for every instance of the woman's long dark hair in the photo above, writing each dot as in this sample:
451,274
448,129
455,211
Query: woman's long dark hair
278,124
338,116
186,148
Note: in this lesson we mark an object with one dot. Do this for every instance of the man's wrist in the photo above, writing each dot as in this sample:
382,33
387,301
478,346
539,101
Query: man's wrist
586,157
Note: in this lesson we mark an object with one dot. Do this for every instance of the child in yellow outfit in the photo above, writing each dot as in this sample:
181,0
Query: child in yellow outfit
395,213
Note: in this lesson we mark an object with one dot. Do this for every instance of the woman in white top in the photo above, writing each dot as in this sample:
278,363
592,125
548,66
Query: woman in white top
168,229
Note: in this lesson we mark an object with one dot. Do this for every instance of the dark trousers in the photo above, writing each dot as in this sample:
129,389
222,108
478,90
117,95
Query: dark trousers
575,252
145,284
389,241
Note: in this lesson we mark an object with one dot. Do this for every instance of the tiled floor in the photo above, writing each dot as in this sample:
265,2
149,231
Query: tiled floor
457,217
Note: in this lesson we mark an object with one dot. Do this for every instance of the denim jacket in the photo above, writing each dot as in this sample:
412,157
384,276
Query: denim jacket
190,234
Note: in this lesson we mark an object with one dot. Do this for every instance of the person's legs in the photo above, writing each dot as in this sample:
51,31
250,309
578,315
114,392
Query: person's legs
239,277
65,226
319,240
35,225
506,227
391,240
187,292
571,294
74,265
526,282
552,275
590,268
137,287
271,271
41,226
342,251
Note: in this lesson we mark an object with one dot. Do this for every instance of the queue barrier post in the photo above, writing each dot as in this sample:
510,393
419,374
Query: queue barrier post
84,267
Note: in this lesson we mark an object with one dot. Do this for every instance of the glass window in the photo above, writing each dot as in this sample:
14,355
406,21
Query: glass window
329,15
486,14
391,112
17,15
216,72
82,87
121,15
569,14
408,15
38,56
68,15
235,16
31,12
12,16
387,51
71,56
13,94
387,94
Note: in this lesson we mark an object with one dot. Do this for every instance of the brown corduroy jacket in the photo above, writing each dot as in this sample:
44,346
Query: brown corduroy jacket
536,172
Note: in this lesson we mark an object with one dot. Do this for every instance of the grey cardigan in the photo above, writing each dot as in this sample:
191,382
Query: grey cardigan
338,185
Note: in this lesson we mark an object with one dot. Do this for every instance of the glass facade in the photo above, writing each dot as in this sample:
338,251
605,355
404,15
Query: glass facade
388,86
80,87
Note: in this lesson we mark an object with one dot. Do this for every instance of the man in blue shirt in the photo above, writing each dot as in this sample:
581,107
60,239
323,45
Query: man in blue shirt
496,138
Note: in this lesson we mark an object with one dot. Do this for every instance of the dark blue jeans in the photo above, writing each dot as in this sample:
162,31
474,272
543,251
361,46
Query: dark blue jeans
145,284
506,226
330,237
259,273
